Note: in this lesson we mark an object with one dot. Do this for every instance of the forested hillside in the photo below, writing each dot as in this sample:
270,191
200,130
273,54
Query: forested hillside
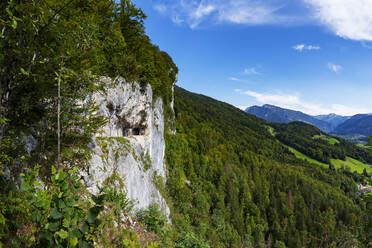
233,183
318,145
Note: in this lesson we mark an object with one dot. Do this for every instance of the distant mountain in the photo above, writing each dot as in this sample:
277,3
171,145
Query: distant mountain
358,125
333,119
281,115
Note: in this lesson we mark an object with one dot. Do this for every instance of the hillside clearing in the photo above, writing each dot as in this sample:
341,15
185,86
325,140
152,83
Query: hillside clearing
302,156
331,140
353,164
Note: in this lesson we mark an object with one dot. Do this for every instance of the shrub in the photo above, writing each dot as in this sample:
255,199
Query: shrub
153,218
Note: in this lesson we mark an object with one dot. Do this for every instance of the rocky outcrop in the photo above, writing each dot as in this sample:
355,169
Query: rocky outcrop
130,146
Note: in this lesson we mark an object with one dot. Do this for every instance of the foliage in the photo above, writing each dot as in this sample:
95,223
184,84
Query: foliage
74,43
310,141
153,218
58,216
189,240
231,182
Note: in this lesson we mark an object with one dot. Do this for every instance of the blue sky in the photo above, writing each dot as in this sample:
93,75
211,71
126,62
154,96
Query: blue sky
310,55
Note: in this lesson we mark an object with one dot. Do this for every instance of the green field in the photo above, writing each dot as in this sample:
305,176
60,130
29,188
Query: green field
330,140
302,156
353,164
365,146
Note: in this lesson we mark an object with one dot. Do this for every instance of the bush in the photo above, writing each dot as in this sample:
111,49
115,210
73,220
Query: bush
153,218
58,212
189,240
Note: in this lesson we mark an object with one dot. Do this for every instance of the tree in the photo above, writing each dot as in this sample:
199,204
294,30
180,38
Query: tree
367,240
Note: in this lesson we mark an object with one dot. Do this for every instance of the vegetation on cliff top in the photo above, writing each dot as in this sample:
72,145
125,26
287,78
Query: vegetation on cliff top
74,43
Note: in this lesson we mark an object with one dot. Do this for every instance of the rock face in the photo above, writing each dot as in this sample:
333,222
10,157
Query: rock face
130,147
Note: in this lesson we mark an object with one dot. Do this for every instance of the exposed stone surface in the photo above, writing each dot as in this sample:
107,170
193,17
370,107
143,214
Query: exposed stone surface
134,158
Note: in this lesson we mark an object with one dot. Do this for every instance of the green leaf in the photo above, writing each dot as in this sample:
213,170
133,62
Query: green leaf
93,214
24,72
85,228
55,214
26,186
73,241
4,121
66,223
9,12
53,226
62,234
83,244
61,204
14,24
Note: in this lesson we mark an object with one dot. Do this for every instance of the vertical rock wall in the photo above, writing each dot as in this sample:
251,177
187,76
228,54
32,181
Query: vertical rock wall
131,145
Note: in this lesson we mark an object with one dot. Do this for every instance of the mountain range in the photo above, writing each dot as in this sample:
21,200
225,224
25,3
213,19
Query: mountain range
360,124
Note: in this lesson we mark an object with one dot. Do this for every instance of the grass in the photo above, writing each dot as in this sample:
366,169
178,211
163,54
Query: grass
302,156
330,140
364,146
271,130
353,164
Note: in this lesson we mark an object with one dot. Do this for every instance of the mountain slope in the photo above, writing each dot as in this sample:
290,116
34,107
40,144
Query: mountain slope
310,141
280,115
232,182
358,124
333,119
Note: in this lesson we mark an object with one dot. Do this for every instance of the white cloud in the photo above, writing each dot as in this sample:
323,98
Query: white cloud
251,71
250,12
334,67
273,98
350,19
301,47
294,102
242,107
234,79
160,8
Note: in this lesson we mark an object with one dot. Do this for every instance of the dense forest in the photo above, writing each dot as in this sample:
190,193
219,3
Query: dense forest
230,182
233,183
308,140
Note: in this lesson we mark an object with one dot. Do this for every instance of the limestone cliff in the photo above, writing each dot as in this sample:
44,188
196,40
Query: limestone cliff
131,144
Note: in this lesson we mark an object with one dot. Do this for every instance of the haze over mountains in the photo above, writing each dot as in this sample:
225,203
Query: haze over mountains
360,124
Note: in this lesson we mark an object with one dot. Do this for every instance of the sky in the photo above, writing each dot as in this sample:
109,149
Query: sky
313,56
